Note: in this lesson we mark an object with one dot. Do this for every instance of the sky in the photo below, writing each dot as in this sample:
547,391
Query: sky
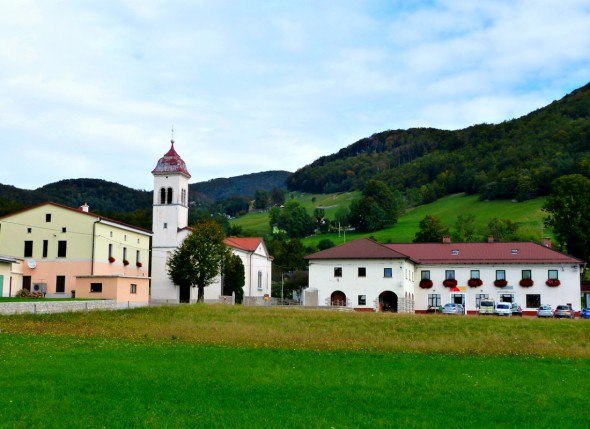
93,89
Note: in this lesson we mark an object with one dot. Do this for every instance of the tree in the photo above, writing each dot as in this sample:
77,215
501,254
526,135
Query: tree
464,228
324,244
293,219
431,230
277,196
261,199
234,277
502,229
199,258
367,215
568,208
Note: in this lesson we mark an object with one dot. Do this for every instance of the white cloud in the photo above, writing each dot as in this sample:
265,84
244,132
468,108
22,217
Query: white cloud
92,89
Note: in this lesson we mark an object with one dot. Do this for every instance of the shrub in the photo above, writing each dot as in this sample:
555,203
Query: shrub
23,293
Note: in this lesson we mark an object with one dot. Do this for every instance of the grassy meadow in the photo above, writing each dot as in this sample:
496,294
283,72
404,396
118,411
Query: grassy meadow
222,366
527,214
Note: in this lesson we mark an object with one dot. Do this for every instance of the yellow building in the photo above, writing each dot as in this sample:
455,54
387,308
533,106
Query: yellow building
68,251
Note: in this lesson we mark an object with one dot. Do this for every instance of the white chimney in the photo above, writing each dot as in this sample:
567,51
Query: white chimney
85,208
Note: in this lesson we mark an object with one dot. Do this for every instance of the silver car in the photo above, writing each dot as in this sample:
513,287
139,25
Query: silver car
564,311
545,311
451,308
503,309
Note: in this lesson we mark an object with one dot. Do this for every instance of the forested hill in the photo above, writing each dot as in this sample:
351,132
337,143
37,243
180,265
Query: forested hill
239,186
516,159
120,202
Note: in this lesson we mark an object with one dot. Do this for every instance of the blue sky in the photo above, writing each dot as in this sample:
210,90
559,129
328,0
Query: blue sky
92,89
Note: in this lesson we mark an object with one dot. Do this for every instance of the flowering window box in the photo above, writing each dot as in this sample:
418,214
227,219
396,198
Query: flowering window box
450,283
138,264
527,282
425,283
111,259
473,282
553,282
500,283
125,262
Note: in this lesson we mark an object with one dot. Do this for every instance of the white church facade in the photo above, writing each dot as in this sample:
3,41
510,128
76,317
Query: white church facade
170,228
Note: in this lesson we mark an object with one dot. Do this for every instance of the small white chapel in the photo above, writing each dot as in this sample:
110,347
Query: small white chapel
170,228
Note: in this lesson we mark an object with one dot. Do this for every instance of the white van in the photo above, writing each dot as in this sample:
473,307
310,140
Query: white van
486,306
503,309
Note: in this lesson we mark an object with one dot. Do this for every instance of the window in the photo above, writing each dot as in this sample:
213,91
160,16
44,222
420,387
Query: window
434,300
454,252
29,230
449,274
60,284
48,217
474,274
165,225
111,234
553,274
500,275
506,297
479,297
27,282
362,272
132,288
425,275
125,237
110,250
387,272
62,246
533,301
95,287
259,280
64,229
169,196
45,248
124,253
526,274
162,196
28,249
337,271
362,300
137,260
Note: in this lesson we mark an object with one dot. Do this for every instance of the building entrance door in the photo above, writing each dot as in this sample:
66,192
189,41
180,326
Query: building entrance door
184,294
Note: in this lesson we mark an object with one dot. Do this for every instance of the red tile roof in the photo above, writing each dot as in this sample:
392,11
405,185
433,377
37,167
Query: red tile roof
482,253
249,244
171,162
363,248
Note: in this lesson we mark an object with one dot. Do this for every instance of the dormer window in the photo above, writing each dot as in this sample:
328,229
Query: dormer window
454,252
514,251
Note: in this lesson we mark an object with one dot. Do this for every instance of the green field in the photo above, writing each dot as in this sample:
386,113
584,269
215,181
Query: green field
221,366
527,214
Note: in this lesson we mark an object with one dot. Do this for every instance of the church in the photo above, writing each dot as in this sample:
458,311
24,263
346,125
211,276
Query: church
170,228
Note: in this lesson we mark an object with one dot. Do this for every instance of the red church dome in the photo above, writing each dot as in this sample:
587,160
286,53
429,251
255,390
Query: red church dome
171,162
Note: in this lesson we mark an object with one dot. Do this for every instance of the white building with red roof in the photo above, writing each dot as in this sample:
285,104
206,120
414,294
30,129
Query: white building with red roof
170,228
415,277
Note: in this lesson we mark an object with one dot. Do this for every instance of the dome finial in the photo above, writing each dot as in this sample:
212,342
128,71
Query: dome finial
172,139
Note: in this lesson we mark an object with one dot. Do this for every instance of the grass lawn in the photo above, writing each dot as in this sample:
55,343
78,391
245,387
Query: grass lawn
221,366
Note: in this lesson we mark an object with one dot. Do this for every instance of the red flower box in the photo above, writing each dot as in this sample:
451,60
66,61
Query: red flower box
138,264
500,283
553,282
473,282
125,262
111,259
425,283
449,283
527,282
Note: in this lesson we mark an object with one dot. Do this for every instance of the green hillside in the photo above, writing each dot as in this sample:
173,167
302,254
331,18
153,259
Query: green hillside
527,214
516,159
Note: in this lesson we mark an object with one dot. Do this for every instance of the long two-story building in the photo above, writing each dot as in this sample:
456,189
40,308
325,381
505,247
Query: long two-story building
415,277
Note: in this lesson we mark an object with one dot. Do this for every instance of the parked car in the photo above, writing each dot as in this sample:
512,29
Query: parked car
503,309
564,311
545,311
585,313
486,306
451,308
516,309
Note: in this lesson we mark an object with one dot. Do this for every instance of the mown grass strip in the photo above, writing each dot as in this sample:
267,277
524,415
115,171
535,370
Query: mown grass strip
53,381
